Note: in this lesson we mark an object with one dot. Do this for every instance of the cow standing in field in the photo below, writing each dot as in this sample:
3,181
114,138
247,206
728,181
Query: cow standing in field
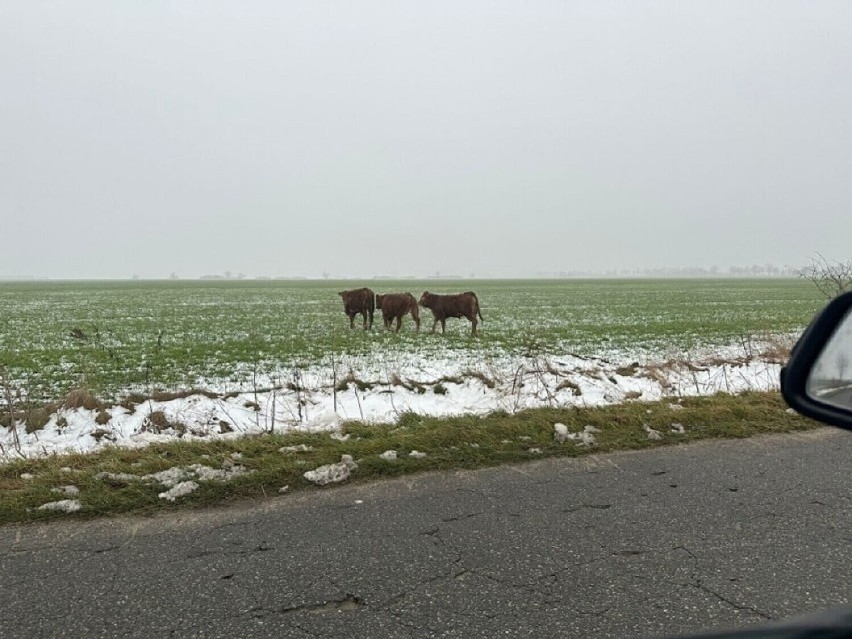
459,305
395,306
359,300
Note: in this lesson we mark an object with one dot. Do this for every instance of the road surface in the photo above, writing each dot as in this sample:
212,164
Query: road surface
709,535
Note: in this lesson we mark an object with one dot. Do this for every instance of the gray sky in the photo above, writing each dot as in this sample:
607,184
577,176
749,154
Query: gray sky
356,138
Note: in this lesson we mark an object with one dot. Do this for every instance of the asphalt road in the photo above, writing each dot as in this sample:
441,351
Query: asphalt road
714,534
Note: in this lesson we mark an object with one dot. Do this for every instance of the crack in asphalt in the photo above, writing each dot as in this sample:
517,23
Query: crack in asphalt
734,604
347,603
699,585
231,553
422,584
461,517
306,631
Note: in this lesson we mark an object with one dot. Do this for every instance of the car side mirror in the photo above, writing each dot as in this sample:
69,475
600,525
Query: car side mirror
817,379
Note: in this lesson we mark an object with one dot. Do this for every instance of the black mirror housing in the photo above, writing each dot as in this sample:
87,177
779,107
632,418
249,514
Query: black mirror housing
796,373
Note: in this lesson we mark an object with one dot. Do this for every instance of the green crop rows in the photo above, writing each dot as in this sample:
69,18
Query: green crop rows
188,333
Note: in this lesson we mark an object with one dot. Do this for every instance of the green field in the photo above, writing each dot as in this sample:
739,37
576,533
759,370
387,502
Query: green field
171,334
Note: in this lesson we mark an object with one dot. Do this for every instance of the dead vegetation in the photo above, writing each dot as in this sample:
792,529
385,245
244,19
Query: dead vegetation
82,398
157,422
487,381
352,379
831,277
573,386
627,371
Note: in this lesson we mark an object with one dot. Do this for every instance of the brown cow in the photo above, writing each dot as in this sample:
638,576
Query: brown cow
395,306
359,300
459,305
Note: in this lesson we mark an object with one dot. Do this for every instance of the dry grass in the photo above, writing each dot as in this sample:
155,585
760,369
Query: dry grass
487,381
575,388
777,348
352,379
157,422
629,370
82,398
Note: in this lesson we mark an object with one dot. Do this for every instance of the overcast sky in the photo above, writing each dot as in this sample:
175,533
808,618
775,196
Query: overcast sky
359,138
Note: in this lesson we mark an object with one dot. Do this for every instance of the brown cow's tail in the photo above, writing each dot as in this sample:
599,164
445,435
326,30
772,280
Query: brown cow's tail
478,312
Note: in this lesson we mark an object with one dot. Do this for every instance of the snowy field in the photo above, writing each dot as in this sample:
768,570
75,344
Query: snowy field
278,356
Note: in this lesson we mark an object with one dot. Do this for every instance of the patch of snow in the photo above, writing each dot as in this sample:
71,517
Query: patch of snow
652,434
388,455
586,437
176,475
64,506
340,437
536,451
417,454
283,489
675,407
678,429
169,477
560,433
68,491
179,490
118,478
205,473
27,476
300,448
332,473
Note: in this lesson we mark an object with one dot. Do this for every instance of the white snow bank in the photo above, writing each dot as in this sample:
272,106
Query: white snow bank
393,388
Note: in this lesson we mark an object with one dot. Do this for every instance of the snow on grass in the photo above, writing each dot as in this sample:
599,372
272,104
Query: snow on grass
68,491
381,390
585,437
62,506
332,473
179,490
173,476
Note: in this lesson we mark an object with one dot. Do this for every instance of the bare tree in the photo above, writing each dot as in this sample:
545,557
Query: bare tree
831,277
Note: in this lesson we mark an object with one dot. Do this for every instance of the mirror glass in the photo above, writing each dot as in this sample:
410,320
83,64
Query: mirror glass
830,379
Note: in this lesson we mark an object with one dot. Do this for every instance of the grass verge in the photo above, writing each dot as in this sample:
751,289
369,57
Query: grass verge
461,442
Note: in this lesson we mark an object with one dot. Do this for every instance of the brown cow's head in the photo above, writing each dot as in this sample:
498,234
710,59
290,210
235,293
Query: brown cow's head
426,299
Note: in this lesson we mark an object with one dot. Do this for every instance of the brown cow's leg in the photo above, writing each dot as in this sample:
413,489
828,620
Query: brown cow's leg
364,315
473,327
398,323
443,325
351,320
416,318
434,324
